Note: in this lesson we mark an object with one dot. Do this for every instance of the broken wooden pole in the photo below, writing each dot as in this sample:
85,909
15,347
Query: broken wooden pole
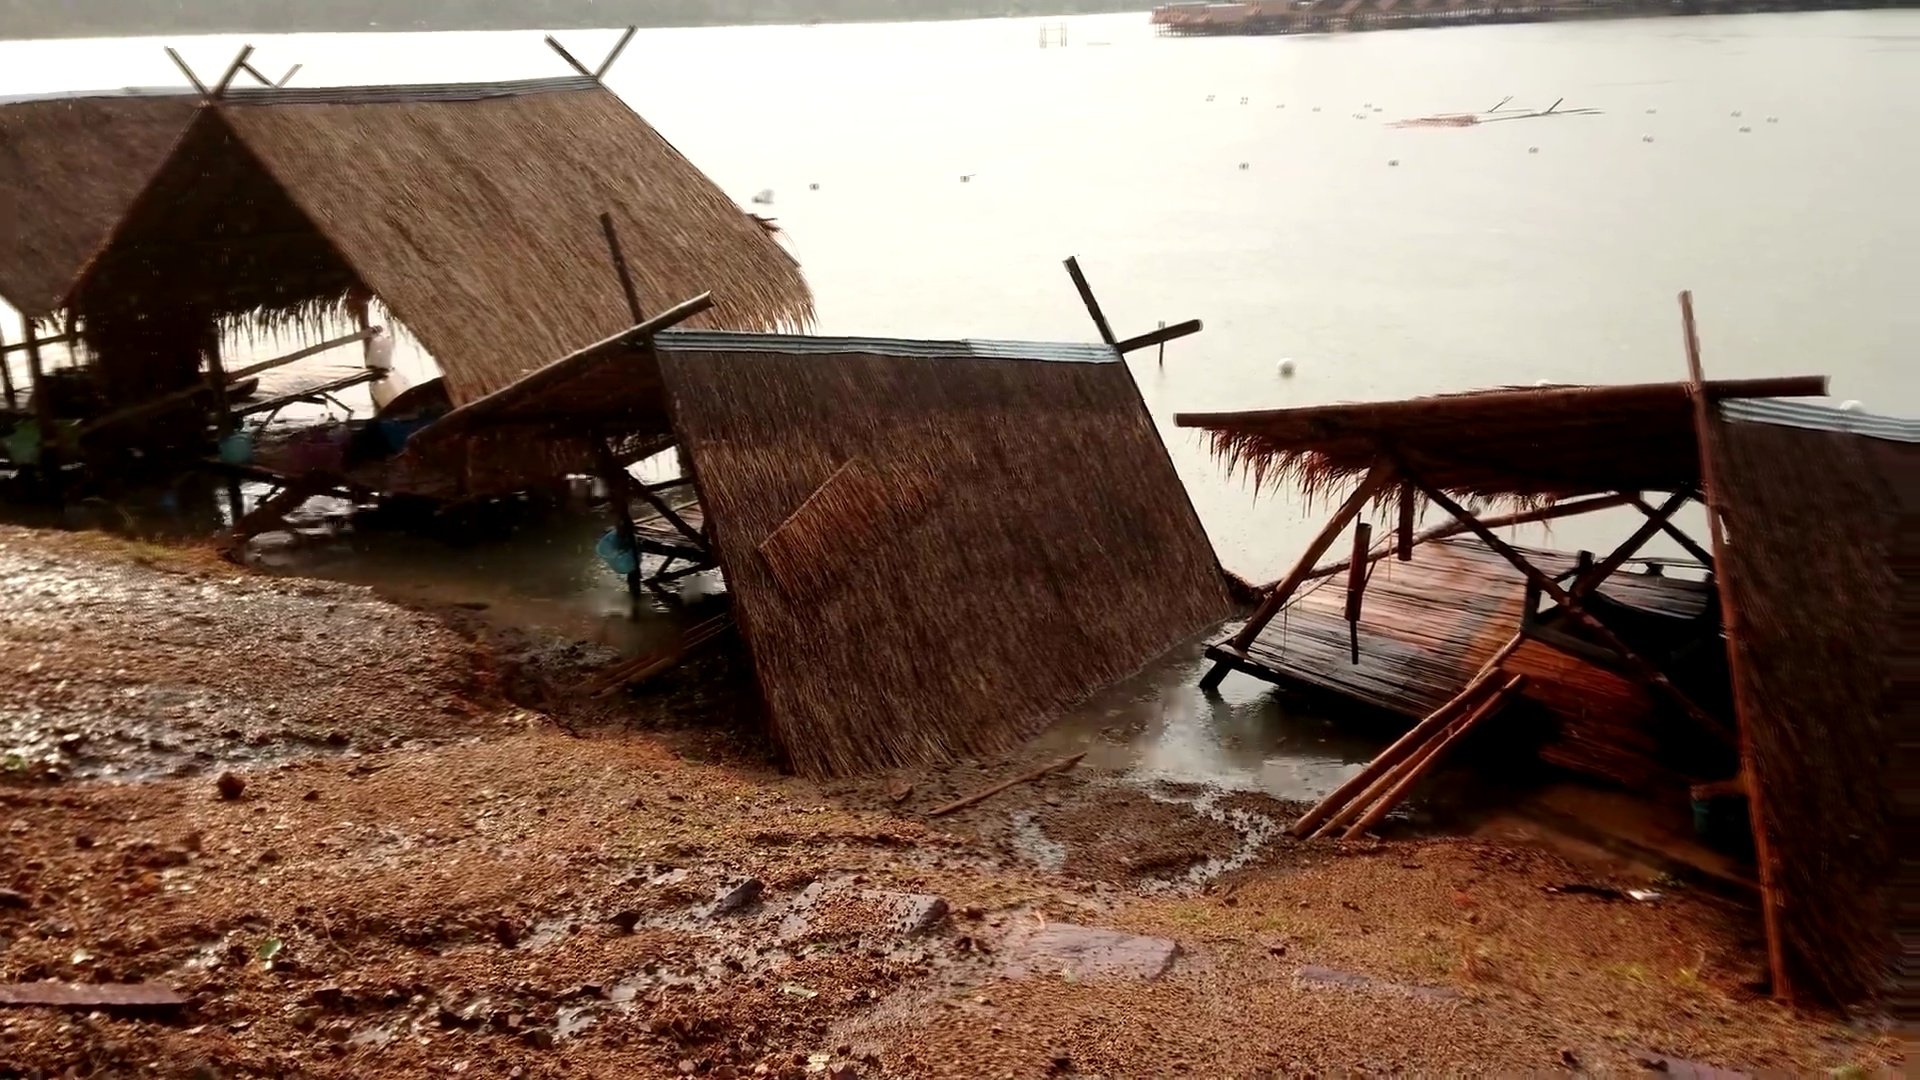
226,80
554,44
194,80
1158,337
1062,765
618,48
1703,422
1357,586
1086,297
250,370
1589,579
1430,756
1405,744
1644,670
1404,536
1674,532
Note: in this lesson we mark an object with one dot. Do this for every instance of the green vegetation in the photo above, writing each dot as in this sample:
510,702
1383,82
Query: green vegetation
104,18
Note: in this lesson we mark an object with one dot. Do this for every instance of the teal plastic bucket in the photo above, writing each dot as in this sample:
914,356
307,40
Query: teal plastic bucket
616,553
236,448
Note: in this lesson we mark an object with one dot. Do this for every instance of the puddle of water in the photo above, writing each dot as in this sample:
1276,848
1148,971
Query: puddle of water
1033,844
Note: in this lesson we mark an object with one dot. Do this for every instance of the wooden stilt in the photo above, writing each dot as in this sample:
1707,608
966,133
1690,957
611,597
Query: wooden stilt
1404,536
1692,546
1357,586
1405,744
1588,580
1431,755
617,483
1730,622
223,419
6,373
1645,671
43,415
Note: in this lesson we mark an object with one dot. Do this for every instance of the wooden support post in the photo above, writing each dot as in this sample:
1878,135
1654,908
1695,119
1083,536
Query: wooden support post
1703,422
1692,546
607,64
1357,586
1160,355
620,267
1640,667
223,419
198,86
1086,297
1590,579
6,373
1430,756
660,506
1406,744
555,45
616,480
1376,479
1404,538
43,413
226,80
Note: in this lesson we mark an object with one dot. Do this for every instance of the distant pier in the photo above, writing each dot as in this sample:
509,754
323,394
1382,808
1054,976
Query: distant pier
1332,16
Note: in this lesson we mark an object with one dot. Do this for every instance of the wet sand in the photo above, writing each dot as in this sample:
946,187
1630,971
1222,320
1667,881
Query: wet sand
472,886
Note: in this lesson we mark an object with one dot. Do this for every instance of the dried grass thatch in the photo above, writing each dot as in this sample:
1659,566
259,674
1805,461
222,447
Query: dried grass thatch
69,168
472,212
1012,537
1536,443
1819,524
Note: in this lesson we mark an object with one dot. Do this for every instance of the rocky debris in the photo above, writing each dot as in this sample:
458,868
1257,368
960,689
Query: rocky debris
1086,952
740,897
230,786
1315,977
918,912
9,898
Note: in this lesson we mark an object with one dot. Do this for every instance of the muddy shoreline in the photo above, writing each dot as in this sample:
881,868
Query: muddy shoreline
444,862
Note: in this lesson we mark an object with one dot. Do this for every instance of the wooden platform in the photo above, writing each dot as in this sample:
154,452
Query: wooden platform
658,536
1426,627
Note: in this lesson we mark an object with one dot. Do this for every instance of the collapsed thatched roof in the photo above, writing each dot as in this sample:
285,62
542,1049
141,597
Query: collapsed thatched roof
1528,443
932,546
69,167
1820,510
472,212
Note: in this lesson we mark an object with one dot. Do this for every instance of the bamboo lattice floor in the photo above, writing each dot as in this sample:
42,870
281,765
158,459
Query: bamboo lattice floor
1426,626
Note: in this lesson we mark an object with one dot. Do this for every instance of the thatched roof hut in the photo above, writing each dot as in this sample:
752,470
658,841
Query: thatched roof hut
473,212
69,167
1819,508
932,546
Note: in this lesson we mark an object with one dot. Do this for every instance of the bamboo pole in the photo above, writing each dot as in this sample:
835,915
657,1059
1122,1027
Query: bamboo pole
1431,756
1404,535
1455,528
1590,579
312,350
1062,765
1691,545
1405,744
1743,706
1357,586
1640,667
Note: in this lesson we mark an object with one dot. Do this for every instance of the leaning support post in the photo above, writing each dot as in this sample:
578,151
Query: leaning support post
1086,297
1403,536
617,483
1591,579
6,373
1730,623
1357,586
223,419
42,412
620,47
1376,479
193,79
1645,671
1674,532
1430,756
233,70
620,267
555,45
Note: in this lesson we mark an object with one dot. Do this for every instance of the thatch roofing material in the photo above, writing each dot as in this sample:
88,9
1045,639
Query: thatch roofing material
1012,538
1538,442
1818,518
69,168
472,212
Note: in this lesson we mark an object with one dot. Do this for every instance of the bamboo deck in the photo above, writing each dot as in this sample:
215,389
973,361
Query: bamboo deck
1426,627
658,536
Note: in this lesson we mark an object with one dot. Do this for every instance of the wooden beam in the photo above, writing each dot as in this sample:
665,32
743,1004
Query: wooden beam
620,47
1357,585
1086,297
1455,528
1589,580
311,392
559,371
288,77
660,506
1691,545
188,72
311,350
1639,666
226,80
1376,478
567,56
6,373
620,268
57,339
1730,622
1404,540
1430,755
1158,337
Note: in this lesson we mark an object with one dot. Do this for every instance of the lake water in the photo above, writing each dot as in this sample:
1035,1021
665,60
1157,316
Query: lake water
1251,182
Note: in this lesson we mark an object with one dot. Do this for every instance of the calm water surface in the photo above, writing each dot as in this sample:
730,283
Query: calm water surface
1251,183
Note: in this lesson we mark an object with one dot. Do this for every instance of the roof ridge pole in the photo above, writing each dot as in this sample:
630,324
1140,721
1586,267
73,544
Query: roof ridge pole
1730,623
554,44
233,69
606,65
187,71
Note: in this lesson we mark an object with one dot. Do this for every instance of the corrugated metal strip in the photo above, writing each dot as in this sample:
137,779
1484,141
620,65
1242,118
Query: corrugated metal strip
83,95
405,94
806,345
1801,414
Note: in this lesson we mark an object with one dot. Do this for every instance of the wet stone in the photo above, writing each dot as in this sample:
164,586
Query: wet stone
918,912
9,898
1086,952
740,897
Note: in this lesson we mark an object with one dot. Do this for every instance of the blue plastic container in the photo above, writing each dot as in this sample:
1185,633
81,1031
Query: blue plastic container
616,553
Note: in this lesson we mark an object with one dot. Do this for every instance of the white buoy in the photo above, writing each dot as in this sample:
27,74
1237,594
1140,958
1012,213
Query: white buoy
813,187
764,196
1243,166
1209,97
1533,149
1286,369
1646,138
1736,114
1243,101
1850,405
966,178
1773,119
1650,112
1393,161
1316,108
1745,130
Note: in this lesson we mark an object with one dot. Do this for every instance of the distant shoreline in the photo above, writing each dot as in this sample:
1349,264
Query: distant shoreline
48,20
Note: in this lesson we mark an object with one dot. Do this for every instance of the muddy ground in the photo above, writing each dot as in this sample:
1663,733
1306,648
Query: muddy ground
445,860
